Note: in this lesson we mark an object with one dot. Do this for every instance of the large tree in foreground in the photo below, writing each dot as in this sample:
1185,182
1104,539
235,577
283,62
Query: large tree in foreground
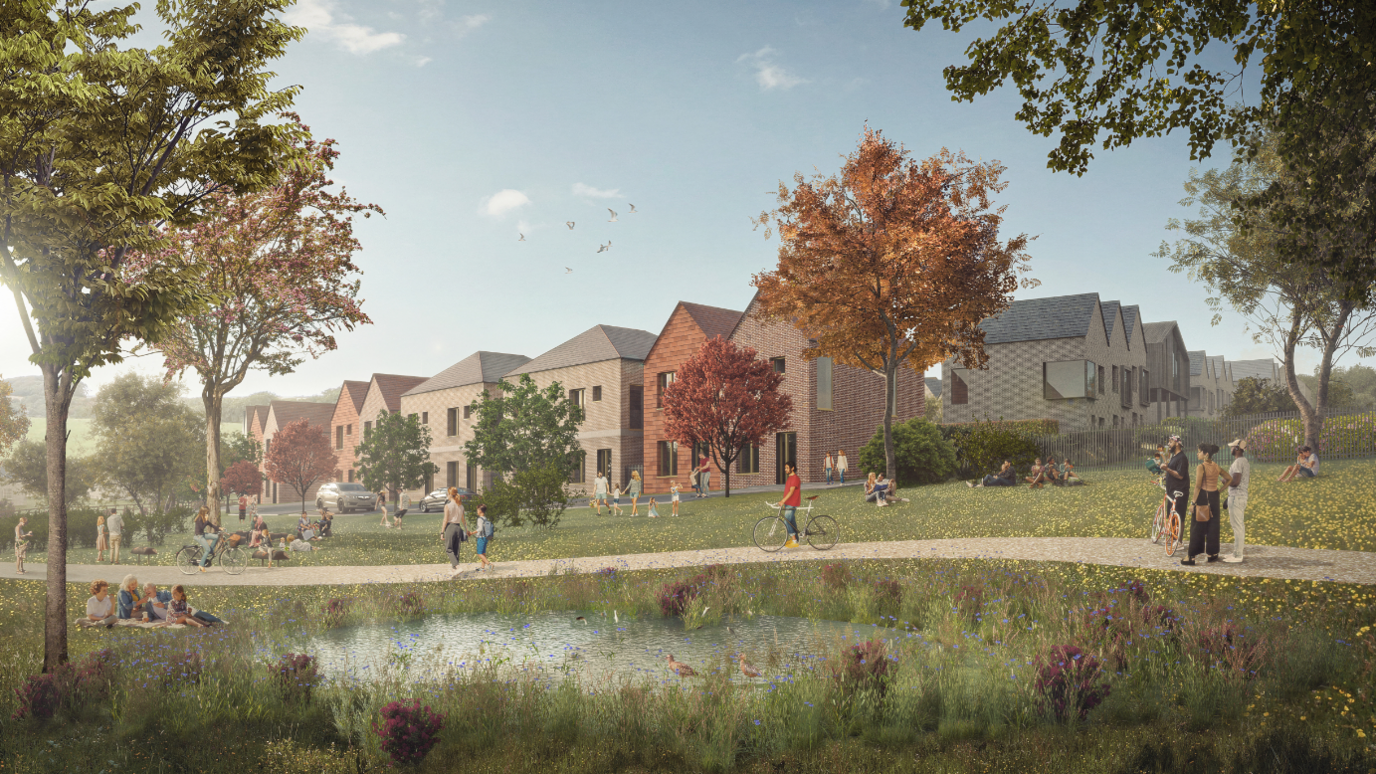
727,399
102,145
300,455
280,265
892,263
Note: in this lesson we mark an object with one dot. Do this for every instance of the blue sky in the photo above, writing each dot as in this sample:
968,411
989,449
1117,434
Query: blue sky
473,122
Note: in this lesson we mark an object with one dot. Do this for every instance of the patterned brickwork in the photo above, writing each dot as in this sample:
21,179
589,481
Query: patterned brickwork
445,448
344,426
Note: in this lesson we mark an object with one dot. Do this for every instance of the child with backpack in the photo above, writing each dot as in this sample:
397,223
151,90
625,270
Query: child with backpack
483,533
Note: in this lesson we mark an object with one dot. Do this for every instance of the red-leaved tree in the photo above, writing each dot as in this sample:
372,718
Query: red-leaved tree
279,263
242,478
727,399
300,455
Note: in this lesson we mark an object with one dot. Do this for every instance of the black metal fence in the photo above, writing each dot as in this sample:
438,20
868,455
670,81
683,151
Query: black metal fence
1347,434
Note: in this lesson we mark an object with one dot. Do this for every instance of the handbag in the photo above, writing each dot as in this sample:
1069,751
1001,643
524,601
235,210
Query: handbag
1202,513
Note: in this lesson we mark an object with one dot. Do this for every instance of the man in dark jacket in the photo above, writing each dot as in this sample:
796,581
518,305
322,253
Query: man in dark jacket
1006,477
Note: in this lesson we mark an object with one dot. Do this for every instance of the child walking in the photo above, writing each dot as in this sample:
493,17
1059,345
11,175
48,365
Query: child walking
483,533
674,490
102,539
616,501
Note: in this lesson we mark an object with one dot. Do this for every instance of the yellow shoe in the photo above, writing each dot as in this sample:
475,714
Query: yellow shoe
791,543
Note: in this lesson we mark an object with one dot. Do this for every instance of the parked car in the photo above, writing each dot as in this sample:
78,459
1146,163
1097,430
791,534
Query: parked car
344,497
436,499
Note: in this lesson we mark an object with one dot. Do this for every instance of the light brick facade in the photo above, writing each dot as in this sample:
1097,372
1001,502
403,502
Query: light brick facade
344,427
280,414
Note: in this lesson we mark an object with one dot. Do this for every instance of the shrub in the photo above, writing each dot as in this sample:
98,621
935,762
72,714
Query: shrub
185,667
675,597
921,454
1346,436
71,685
407,603
408,731
864,665
888,592
40,696
835,576
335,610
296,674
538,496
1067,678
1226,645
981,447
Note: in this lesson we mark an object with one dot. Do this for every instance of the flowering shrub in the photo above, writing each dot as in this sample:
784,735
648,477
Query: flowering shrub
185,667
408,731
335,610
69,685
865,665
40,696
408,603
1067,678
970,600
835,576
297,675
675,597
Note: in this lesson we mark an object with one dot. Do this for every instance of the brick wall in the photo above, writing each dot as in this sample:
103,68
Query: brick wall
680,340
443,447
345,419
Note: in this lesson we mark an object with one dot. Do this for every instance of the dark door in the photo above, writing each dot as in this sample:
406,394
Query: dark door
785,450
604,462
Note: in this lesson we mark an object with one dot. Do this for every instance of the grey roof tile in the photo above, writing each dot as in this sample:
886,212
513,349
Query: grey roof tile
598,343
1263,368
479,367
1197,359
934,384
1110,318
1058,317
1131,315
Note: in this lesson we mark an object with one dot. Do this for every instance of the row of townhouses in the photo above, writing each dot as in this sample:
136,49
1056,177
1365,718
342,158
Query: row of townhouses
1083,362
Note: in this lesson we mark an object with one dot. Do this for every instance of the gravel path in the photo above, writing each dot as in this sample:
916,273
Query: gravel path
1261,562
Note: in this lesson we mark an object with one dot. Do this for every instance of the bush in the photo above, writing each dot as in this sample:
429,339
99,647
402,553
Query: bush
335,610
71,686
835,576
1067,678
1346,436
296,674
675,597
921,454
981,447
888,592
408,731
157,526
81,528
538,496
864,665
406,603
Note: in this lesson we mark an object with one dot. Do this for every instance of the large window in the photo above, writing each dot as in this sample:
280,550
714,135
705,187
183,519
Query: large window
453,426
661,384
451,474
339,437
577,475
604,462
960,386
1144,391
749,461
1069,379
668,458
471,479
1101,382
637,408
778,364
824,384
576,397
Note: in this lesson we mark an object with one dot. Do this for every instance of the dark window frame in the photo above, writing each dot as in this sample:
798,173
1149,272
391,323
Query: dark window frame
960,387
779,365
597,394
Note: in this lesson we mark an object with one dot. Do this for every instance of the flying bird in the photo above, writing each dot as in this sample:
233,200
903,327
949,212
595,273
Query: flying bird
567,270
632,208
603,248
569,223
746,669
523,237
612,219
679,668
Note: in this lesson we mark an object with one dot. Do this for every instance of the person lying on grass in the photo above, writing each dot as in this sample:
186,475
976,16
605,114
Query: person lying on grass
1005,477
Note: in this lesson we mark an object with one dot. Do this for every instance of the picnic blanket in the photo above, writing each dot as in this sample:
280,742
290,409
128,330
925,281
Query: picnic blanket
134,623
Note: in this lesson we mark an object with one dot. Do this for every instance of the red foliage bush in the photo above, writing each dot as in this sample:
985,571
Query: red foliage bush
408,731
1068,678
407,603
296,674
864,665
888,592
835,576
70,685
335,610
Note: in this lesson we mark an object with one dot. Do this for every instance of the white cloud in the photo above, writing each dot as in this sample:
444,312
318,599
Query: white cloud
504,201
768,74
596,193
422,61
475,21
318,16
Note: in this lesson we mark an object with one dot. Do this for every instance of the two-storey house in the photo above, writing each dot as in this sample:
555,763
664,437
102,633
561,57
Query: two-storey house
1211,385
343,427
281,413
1169,364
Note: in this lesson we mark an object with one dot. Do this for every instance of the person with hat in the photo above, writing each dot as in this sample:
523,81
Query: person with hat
1178,474
1241,473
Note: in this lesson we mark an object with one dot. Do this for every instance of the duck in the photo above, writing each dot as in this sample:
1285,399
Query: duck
679,668
746,669
581,619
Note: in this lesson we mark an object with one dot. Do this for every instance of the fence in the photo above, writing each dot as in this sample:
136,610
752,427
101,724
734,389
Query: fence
1347,434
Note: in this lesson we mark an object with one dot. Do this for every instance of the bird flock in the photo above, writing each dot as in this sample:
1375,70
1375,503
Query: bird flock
601,248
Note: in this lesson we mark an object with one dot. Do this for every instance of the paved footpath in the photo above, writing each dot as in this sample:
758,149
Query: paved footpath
1261,562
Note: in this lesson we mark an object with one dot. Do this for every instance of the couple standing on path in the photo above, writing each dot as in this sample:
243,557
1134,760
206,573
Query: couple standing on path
454,531
840,465
1205,500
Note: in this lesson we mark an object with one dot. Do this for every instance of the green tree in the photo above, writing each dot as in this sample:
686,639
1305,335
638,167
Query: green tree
524,427
147,440
27,468
538,495
13,422
103,145
395,454
922,455
1259,396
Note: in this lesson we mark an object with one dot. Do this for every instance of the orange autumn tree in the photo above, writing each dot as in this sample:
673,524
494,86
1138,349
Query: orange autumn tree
892,262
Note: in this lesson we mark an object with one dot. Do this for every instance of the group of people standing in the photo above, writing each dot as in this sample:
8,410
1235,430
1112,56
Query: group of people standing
1204,505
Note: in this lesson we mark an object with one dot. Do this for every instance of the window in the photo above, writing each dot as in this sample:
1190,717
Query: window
470,480
637,408
453,427
749,461
1100,390
348,429
1144,391
1115,379
576,397
668,458
824,384
410,416
596,394
1069,379
451,474
425,417
778,364
339,437
429,480
662,383
467,412
604,462
576,474
267,447
367,428
960,388
351,476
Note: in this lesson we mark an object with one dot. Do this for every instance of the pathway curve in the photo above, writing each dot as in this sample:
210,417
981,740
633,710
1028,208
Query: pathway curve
1261,562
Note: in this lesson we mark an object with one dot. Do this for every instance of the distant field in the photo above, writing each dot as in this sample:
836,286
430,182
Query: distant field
81,442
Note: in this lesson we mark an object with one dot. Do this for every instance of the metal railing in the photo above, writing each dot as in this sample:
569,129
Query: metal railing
1346,434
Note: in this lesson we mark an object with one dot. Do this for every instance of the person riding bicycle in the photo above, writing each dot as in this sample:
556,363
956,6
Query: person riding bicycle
793,497
206,536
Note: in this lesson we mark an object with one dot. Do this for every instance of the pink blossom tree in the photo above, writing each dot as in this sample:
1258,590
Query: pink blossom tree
279,264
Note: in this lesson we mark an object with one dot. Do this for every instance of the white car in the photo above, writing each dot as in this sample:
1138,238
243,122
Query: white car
343,497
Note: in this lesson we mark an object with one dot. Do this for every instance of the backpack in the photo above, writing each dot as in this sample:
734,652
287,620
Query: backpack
488,529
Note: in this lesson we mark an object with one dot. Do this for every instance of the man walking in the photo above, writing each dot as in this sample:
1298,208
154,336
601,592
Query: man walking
599,491
243,507
21,544
115,523
1241,471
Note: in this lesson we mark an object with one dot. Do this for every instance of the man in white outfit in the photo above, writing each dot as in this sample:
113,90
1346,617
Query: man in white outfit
599,492
1241,473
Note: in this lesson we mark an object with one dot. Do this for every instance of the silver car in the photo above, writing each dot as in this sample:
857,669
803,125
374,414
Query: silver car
439,497
343,497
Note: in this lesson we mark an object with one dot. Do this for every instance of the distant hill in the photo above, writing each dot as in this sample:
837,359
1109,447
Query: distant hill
29,390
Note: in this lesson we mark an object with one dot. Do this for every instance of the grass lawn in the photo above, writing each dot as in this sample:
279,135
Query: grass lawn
1335,511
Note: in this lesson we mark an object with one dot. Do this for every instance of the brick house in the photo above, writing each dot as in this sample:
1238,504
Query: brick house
1073,358
281,413
1169,365
342,426
442,402
688,327
835,406
254,417
602,370
1211,385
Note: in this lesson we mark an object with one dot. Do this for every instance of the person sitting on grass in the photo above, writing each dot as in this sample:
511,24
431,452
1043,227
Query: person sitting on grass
1052,472
1068,475
1034,477
179,609
100,608
1005,477
129,598
871,496
155,609
881,490
326,523
1306,465
303,545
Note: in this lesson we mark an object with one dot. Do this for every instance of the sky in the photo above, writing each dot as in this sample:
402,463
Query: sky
472,123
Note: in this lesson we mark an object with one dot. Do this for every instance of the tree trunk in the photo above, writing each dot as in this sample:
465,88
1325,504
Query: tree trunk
890,404
212,399
1314,430
57,400
1312,420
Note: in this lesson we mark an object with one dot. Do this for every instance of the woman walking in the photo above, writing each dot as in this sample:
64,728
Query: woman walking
635,491
102,538
705,476
454,528
1204,526
827,466
841,465
382,506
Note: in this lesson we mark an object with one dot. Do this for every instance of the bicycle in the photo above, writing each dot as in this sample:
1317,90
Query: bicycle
771,532
1167,521
232,558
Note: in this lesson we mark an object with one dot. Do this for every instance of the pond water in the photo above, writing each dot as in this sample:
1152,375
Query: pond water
594,650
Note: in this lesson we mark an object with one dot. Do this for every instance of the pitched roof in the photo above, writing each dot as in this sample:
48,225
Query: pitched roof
933,385
477,368
1110,317
393,386
1157,332
1197,359
1220,367
1058,317
1131,314
354,391
596,344
713,320
254,415
1264,368
288,411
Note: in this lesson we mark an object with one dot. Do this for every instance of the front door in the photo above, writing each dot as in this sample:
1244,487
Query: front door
785,451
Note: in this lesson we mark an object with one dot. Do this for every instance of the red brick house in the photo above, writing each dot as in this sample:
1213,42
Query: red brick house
343,433
254,417
689,326
281,413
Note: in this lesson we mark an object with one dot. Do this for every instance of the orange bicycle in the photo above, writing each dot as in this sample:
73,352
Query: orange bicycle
1167,521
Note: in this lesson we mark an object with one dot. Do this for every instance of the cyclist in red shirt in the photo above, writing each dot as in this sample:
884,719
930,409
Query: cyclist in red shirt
793,497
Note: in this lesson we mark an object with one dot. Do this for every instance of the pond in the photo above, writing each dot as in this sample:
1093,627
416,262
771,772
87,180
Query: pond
594,649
